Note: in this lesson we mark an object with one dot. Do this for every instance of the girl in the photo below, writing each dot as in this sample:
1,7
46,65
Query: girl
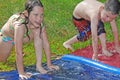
24,27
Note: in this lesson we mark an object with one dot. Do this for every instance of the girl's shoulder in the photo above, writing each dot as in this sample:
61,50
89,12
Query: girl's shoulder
17,18
14,16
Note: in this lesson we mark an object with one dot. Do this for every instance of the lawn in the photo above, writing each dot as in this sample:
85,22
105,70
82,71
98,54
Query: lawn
58,20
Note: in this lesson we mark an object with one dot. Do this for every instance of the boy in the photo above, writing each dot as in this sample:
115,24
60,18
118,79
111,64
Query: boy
88,17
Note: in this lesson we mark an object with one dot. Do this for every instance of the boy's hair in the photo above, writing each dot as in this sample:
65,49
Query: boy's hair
113,6
30,4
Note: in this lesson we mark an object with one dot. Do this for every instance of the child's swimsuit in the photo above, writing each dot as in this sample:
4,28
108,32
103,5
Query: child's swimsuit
7,39
14,18
83,26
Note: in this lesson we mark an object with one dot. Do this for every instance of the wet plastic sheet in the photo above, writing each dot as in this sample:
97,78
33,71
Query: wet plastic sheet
113,60
71,68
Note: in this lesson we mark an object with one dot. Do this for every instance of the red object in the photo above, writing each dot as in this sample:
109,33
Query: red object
112,60
83,27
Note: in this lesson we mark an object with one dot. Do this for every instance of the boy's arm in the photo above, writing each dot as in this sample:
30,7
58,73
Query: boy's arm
94,23
115,32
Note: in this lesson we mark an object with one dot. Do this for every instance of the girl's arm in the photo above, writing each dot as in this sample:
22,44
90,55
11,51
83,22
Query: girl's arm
38,47
46,46
18,39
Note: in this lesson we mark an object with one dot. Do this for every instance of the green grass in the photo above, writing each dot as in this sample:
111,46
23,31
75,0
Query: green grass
57,17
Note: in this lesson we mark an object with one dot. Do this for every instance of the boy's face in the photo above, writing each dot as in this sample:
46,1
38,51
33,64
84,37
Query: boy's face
107,16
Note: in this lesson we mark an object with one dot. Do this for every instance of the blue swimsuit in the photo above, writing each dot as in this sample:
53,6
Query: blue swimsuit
7,39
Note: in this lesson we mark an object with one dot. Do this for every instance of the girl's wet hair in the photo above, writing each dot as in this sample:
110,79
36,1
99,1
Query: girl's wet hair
113,6
30,4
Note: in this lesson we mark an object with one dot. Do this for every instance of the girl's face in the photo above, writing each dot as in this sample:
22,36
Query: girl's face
107,16
36,17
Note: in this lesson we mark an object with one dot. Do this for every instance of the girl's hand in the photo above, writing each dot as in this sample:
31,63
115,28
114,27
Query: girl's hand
51,67
41,70
25,76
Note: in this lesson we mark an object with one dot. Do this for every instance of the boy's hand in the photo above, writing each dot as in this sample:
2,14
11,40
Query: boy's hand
106,53
95,57
117,49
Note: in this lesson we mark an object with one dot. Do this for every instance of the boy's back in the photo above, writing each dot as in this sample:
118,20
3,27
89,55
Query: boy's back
87,8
